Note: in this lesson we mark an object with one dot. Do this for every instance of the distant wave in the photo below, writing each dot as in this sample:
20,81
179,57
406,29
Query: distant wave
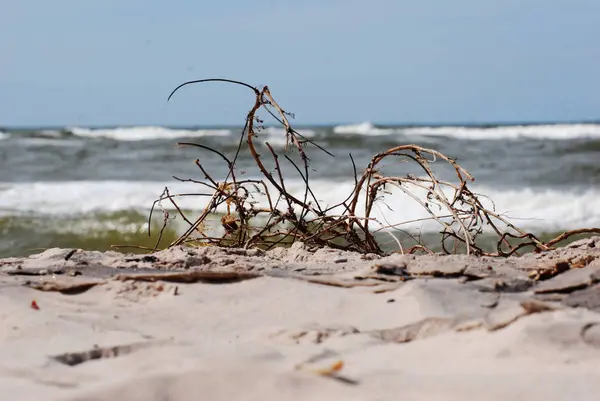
547,131
365,128
45,137
276,136
48,133
146,133
556,131
539,209
274,131
50,141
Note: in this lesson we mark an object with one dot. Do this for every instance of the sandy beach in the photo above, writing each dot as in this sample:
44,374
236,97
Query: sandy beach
298,201
300,324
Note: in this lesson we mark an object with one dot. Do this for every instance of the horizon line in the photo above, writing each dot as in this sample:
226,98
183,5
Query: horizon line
315,125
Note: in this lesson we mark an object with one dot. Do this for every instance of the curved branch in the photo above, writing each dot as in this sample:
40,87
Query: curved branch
198,81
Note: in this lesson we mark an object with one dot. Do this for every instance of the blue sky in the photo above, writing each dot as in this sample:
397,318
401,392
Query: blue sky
77,62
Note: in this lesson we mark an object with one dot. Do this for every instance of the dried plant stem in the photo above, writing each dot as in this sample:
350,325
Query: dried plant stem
293,218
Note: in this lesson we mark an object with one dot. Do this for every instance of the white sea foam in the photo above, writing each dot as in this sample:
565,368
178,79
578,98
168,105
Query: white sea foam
27,141
3,135
548,131
146,133
557,131
277,136
548,209
365,128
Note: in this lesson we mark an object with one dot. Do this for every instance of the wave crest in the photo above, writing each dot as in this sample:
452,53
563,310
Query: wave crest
146,133
365,128
276,136
502,132
528,208
556,131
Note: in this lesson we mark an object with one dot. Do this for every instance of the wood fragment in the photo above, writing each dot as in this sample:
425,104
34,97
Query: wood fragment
77,358
65,285
191,276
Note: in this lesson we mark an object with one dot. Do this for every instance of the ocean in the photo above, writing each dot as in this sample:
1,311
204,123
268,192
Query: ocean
93,187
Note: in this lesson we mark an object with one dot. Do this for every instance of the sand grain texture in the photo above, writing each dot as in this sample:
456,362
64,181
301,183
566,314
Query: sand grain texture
294,324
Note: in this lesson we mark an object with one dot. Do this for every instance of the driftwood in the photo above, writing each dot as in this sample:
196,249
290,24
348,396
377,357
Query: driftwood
287,217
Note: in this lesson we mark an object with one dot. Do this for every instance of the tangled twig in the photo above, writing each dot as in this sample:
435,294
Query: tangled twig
287,217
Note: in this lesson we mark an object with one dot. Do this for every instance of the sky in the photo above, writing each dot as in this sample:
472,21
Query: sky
114,62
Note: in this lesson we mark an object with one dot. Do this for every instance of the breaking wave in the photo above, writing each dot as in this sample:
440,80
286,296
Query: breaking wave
277,137
529,208
146,133
365,128
557,131
546,131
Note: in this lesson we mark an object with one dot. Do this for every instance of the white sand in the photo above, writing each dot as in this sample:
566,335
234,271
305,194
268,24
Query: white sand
266,338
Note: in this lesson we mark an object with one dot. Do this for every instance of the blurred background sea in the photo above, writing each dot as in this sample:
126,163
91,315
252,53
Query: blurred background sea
93,187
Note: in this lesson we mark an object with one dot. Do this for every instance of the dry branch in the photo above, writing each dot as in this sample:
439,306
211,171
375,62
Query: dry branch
287,217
